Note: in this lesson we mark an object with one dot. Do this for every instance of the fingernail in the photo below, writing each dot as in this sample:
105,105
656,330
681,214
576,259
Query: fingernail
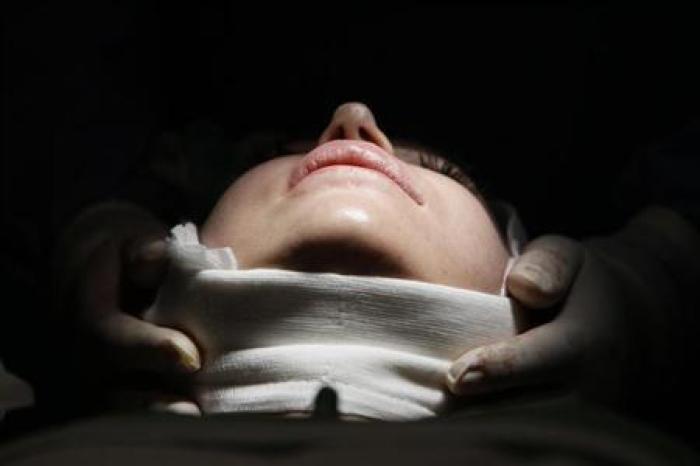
455,372
186,408
537,276
473,382
188,361
472,377
182,354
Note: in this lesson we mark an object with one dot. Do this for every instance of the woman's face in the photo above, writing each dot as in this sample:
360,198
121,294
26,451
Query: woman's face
358,205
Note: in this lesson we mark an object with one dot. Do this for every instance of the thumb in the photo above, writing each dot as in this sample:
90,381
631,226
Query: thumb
138,344
542,275
145,261
545,353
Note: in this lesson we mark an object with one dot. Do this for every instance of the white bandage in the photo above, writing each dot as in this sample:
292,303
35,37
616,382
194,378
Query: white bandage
272,338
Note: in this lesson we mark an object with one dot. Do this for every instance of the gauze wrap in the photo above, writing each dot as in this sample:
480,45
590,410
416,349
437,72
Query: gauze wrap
270,339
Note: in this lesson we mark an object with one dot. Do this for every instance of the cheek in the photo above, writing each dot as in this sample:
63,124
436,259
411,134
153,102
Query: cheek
464,231
247,202
265,181
453,209
465,235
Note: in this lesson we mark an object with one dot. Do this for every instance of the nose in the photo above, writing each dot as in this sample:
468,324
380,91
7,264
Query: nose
354,120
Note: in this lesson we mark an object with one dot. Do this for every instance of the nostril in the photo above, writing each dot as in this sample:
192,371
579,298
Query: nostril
374,135
366,135
354,120
338,133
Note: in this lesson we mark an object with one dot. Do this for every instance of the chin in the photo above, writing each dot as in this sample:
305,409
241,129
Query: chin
349,241
343,256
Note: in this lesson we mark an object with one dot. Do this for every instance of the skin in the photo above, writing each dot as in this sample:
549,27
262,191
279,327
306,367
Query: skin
134,257
351,220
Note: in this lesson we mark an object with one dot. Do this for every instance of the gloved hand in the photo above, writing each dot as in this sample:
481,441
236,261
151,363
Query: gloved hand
616,320
114,257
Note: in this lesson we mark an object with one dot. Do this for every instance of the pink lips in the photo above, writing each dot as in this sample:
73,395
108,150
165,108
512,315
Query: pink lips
358,153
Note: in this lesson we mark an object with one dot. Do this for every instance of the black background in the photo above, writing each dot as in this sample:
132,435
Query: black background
550,105
547,103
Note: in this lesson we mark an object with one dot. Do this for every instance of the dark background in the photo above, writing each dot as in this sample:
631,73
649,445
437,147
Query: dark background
548,104
566,111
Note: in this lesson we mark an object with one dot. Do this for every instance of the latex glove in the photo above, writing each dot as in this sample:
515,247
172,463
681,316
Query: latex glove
120,264
613,325
540,278
544,272
130,342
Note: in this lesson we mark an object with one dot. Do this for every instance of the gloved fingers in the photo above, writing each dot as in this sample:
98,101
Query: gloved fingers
100,283
130,341
543,274
152,400
545,353
135,344
145,261
176,406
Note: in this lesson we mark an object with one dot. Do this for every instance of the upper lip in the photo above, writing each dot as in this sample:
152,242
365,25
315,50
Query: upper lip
358,153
